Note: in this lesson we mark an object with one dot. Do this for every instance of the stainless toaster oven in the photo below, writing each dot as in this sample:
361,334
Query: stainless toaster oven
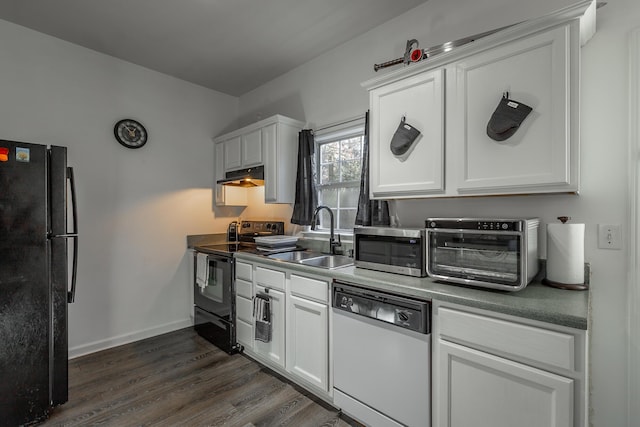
491,253
394,250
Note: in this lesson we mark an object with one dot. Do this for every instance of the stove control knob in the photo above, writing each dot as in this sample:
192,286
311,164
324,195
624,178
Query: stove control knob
505,226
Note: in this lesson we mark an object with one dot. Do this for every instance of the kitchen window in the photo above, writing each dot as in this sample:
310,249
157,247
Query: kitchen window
339,164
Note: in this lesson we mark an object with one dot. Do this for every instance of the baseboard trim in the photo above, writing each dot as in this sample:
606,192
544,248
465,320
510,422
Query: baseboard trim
104,344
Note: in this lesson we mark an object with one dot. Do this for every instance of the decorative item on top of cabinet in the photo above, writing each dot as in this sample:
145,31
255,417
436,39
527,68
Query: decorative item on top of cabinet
537,62
272,142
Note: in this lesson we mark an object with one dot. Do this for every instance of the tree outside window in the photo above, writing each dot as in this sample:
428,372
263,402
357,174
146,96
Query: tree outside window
339,161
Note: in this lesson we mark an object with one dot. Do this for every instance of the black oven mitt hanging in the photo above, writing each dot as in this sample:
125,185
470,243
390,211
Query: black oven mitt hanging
403,138
506,119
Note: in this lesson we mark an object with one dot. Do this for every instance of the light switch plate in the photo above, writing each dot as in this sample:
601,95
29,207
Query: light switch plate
609,236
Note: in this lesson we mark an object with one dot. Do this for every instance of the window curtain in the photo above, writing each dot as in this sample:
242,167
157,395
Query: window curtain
370,212
306,195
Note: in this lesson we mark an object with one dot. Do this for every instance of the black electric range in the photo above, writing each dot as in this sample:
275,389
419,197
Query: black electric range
247,232
214,287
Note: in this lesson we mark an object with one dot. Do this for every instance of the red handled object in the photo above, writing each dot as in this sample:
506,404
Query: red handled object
412,54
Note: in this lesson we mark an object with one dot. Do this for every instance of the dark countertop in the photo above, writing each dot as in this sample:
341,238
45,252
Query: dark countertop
536,301
205,239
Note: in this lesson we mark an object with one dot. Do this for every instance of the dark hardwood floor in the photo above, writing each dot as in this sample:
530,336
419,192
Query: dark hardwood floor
181,379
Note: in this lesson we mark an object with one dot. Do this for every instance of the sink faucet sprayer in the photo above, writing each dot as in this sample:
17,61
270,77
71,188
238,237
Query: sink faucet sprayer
333,244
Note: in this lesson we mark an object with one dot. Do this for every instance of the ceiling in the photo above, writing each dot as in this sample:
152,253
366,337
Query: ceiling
231,46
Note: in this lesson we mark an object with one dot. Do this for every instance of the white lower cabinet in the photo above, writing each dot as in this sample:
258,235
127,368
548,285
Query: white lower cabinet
485,390
308,331
299,345
493,370
274,350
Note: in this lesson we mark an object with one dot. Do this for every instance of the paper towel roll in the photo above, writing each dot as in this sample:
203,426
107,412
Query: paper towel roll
565,253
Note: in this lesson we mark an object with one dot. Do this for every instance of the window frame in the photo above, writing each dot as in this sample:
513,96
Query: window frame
344,131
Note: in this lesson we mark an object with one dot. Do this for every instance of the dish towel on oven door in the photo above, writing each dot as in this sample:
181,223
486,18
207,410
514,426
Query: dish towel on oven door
202,270
262,314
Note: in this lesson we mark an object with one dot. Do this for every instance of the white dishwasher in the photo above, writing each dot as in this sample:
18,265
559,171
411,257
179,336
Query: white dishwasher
382,356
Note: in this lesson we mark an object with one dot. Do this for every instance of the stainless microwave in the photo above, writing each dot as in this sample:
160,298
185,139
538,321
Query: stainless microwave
394,250
490,253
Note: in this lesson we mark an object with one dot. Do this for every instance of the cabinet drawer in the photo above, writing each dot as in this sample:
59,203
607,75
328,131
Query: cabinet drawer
244,271
310,288
270,278
244,309
243,288
510,339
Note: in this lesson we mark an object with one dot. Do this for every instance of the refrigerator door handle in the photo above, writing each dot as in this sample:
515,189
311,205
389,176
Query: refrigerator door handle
71,295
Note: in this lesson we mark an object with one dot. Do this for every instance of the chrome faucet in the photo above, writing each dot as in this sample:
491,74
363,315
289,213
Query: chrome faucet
333,244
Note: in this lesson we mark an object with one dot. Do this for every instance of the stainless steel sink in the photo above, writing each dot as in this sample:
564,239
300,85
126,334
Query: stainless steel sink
296,256
315,259
328,261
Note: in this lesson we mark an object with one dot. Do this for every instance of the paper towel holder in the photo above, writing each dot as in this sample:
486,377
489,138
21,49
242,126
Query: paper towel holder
567,286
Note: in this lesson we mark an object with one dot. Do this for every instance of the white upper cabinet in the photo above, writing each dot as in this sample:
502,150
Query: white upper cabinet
225,196
232,153
280,144
542,156
419,100
272,143
243,151
451,97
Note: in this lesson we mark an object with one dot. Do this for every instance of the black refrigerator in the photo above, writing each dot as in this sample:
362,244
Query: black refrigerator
38,248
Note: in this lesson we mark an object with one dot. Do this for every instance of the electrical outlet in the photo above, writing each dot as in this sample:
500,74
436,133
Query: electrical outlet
609,236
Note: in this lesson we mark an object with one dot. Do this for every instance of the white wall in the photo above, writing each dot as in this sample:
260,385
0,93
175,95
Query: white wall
135,206
328,89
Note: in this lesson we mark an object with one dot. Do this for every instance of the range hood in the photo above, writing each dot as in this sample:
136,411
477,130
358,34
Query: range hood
250,177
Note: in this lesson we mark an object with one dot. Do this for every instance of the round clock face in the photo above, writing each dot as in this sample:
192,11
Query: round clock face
130,133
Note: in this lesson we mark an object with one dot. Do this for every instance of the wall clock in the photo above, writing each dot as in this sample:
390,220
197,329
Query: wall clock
130,133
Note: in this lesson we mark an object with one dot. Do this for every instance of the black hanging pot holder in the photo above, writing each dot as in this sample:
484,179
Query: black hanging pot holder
506,119
403,138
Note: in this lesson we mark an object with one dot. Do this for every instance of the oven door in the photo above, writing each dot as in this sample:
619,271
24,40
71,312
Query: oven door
217,296
477,257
